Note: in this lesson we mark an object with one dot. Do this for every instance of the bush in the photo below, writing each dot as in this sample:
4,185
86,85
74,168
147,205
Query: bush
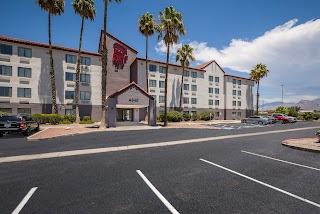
281,110
65,122
53,119
206,115
86,118
316,116
174,116
186,117
86,122
3,113
195,117
70,117
309,116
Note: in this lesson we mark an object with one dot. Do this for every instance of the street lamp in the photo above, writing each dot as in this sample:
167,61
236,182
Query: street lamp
282,96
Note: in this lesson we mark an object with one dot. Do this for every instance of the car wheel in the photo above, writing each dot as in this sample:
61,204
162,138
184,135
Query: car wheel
1,134
26,132
260,123
37,129
244,121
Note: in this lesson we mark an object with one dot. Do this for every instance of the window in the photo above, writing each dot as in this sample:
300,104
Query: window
71,58
85,78
217,102
84,95
239,115
24,72
69,95
186,87
210,90
70,112
239,82
152,68
239,93
5,70
193,112
186,100
216,79
234,92
152,83
193,87
24,92
234,103
24,111
5,49
6,110
85,60
216,90
234,115
239,103
186,73
210,102
185,112
234,81
210,78
162,69
193,100
193,74
161,84
161,99
25,52
70,76
5,91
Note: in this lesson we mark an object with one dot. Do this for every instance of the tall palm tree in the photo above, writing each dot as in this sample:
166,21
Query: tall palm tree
171,26
104,60
85,8
259,71
184,54
146,27
53,7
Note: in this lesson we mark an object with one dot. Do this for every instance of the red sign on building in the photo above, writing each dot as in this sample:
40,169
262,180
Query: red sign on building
120,56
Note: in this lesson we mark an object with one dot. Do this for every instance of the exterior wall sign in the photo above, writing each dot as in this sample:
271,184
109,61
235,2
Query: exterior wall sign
120,56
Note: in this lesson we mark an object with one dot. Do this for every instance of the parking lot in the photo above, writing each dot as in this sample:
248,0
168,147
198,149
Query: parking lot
229,126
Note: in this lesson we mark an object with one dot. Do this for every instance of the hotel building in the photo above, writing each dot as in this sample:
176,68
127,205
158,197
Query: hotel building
25,84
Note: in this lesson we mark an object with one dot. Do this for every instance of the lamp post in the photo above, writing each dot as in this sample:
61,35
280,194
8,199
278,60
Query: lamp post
282,96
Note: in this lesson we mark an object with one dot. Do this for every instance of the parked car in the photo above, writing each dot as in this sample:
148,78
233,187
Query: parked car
23,123
284,118
256,119
271,119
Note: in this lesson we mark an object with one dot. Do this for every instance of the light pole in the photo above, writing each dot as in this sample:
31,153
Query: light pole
282,96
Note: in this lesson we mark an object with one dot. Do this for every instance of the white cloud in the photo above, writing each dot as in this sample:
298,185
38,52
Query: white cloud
291,52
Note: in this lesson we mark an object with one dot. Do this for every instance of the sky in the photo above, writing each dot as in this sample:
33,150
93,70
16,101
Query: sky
238,34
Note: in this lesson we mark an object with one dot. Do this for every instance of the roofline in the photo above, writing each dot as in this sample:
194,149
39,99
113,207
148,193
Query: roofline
175,65
209,63
229,75
118,40
44,45
204,65
128,86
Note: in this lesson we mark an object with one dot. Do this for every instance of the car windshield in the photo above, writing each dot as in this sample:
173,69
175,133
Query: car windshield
10,118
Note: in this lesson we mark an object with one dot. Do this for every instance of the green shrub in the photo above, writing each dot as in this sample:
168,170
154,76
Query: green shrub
195,117
86,118
309,116
70,117
316,116
281,110
174,116
65,122
186,117
206,115
3,113
300,117
53,119
86,122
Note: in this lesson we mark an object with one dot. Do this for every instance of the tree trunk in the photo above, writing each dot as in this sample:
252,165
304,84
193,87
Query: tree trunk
257,105
78,75
147,71
53,79
181,94
166,88
104,60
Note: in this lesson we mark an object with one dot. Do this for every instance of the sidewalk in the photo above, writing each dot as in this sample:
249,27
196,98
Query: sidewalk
308,144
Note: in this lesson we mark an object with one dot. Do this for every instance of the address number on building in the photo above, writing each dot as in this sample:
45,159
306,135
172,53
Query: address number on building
134,100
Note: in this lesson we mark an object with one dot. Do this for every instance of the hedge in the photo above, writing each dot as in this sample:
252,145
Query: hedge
53,119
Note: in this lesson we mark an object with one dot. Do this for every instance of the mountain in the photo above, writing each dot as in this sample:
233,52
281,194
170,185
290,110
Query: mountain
307,105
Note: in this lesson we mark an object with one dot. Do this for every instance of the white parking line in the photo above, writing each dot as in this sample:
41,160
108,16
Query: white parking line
160,196
24,200
296,164
264,184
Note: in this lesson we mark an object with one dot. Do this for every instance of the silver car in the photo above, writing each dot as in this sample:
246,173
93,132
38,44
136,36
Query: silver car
256,119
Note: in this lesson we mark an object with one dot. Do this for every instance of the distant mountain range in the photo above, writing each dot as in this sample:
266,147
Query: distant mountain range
307,105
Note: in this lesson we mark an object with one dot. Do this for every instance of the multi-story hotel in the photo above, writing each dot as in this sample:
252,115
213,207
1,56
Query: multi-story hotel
25,85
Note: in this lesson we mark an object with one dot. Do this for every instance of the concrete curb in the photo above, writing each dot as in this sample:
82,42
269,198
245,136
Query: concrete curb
299,147
37,133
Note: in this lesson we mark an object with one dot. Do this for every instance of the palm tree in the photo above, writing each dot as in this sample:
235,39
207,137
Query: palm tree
104,60
53,7
258,72
146,27
85,8
171,26
184,54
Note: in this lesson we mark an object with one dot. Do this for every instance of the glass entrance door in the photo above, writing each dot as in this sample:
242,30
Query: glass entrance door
124,114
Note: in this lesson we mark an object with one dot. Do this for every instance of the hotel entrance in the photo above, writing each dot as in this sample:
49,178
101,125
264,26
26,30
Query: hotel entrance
124,115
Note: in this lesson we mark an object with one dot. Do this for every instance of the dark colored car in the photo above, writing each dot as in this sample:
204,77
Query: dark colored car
23,123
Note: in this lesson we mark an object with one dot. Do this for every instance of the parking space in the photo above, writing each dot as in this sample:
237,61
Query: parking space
230,126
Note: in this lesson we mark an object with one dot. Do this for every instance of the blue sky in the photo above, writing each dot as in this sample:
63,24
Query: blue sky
233,32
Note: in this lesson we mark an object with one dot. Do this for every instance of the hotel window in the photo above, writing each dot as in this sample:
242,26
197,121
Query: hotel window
70,76
5,70
193,87
186,87
71,59
85,78
210,90
234,81
5,49
5,91
239,93
210,78
70,112
25,52
24,110
186,100
193,74
239,115
193,100
24,72
234,115
210,102
162,69
152,68
69,95
239,82
161,84
186,73
234,103
152,83
217,80
193,112
84,95
239,103
6,110
216,90
234,92
161,99
217,102
85,60
24,92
